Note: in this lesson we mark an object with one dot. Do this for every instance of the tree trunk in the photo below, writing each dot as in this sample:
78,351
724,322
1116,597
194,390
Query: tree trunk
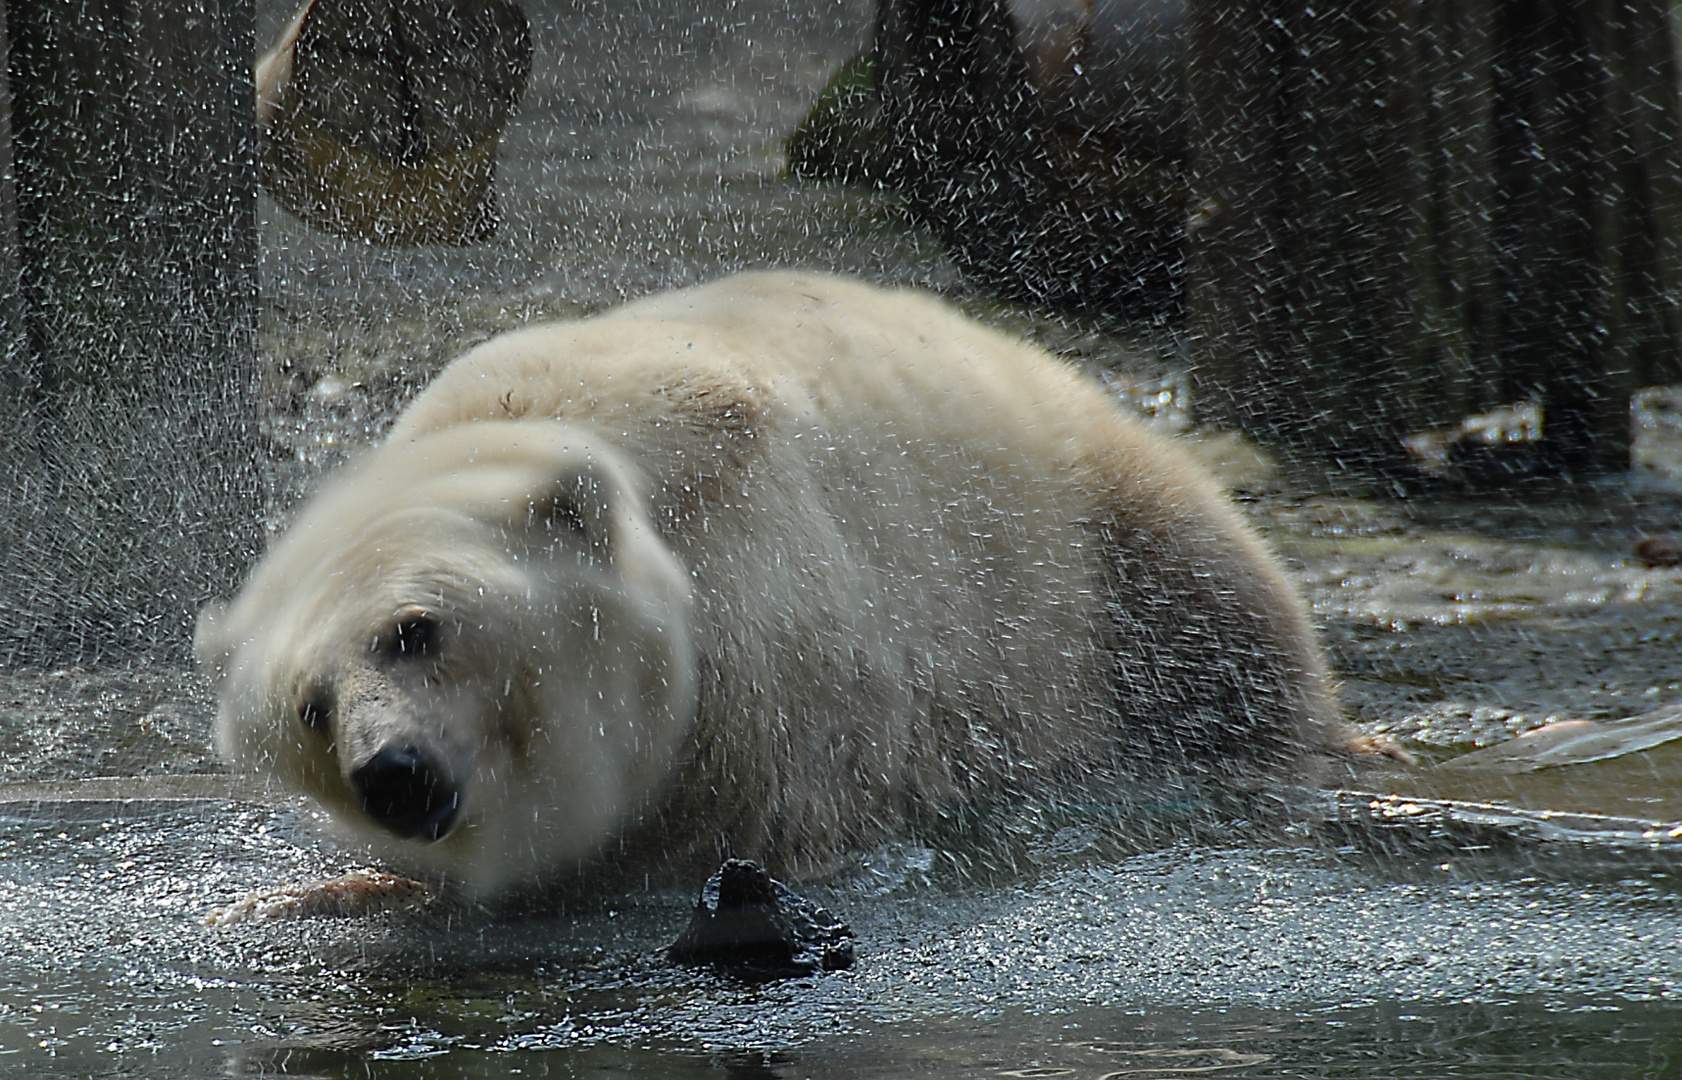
130,490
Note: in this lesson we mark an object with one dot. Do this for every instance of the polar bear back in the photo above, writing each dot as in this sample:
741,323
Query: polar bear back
798,339
878,388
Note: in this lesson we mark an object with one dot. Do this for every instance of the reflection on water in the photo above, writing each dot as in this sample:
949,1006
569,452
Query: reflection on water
1361,937
1501,1039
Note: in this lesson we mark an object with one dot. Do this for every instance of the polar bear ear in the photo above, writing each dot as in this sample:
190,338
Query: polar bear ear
210,641
579,509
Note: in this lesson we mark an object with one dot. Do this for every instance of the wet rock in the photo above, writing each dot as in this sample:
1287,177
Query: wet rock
1048,178
379,120
746,922
843,137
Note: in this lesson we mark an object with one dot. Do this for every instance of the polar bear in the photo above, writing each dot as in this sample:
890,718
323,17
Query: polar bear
773,567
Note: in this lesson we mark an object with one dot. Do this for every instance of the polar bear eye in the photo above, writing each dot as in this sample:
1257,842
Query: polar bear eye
411,637
563,515
316,710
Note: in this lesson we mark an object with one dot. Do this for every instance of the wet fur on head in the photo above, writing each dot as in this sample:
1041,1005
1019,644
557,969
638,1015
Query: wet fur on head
557,673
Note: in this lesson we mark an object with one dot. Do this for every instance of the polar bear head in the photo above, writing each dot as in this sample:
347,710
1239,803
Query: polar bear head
474,647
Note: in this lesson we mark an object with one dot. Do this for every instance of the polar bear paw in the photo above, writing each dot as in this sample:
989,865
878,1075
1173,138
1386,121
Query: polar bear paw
358,893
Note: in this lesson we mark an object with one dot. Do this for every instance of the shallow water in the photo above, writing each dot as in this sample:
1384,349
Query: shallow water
1360,937
1258,960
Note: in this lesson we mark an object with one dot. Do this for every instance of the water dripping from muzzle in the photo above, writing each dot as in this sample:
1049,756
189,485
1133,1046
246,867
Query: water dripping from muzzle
404,790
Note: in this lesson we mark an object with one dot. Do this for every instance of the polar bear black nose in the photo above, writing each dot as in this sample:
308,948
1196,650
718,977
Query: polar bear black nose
403,789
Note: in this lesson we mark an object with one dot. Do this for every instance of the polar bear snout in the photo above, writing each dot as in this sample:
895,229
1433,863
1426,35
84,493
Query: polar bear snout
407,792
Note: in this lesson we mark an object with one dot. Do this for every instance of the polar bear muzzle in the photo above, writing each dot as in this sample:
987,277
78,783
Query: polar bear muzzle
407,792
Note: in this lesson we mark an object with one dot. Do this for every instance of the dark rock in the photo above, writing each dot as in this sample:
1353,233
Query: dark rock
843,137
747,923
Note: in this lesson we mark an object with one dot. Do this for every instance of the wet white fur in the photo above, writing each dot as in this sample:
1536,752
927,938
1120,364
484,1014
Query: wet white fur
850,558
